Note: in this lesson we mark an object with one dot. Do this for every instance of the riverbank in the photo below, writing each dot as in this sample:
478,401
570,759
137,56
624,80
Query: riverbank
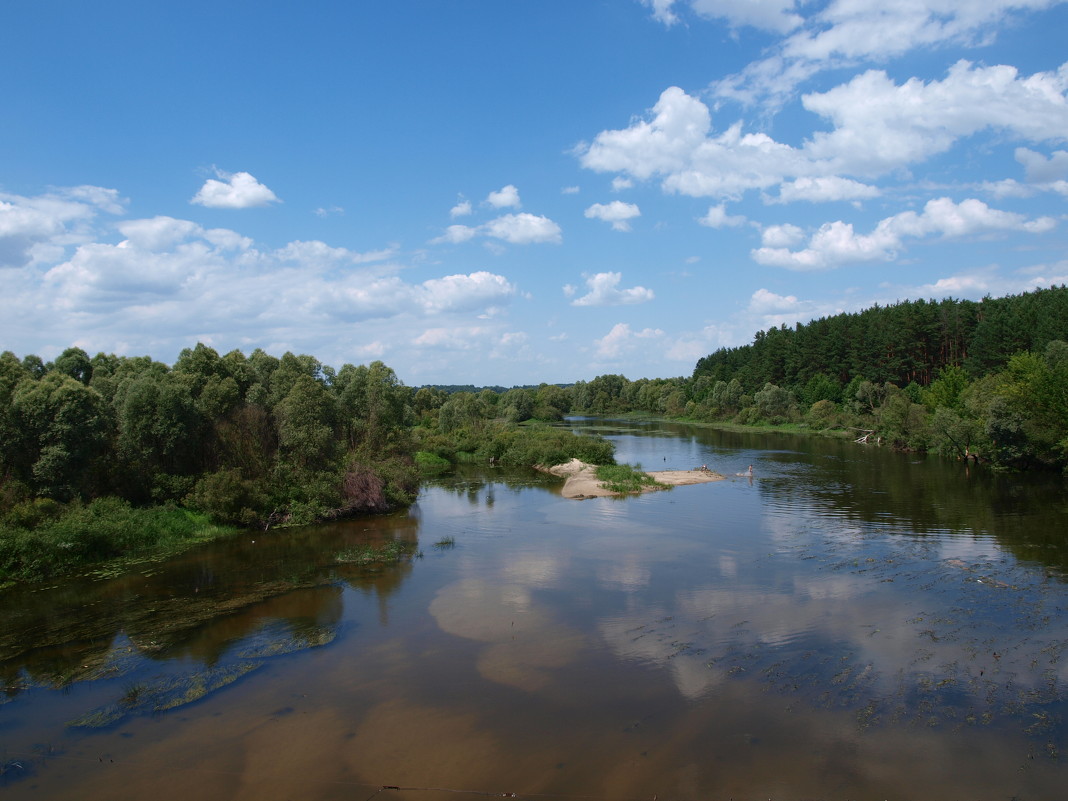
101,535
581,479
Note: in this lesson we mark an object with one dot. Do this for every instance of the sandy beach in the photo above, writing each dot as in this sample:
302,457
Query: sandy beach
581,479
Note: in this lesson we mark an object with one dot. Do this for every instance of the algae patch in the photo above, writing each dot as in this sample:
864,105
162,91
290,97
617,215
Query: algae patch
166,694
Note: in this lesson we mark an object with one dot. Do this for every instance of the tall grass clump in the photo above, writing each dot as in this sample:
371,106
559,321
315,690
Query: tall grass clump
625,478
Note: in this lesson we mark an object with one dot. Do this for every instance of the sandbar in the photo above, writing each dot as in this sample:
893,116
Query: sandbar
581,479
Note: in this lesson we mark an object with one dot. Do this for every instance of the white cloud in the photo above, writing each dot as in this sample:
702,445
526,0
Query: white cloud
523,229
621,339
1007,187
464,292
455,234
617,213
844,33
461,209
39,229
880,126
570,190
237,190
328,211
604,291
662,11
324,257
824,189
619,183
504,198
690,347
159,233
454,338
770,15
763,301
717,217
877,127
782,236
1042,170
836,243
767,309
516,229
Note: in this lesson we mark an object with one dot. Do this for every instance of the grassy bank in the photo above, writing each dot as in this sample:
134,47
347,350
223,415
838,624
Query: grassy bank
43,539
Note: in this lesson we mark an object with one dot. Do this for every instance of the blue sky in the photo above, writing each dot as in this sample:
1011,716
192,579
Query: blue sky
517,192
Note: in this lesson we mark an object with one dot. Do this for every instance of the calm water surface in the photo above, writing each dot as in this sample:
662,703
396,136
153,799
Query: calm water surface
848,624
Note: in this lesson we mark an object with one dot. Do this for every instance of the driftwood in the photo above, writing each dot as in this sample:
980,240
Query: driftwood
863,439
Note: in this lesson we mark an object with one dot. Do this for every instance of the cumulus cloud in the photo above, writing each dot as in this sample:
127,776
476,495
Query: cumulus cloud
237,190
570,190
461,209
622,339
717,217
836,243
516,229
877,127
850,32
165,282
1046,174
40,229
617,213
507,197
824,189
605,291
782,236
880,125
523,229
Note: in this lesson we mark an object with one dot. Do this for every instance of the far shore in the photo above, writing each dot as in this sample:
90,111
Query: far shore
581,479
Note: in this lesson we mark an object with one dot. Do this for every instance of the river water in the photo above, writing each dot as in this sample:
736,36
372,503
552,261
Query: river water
848,623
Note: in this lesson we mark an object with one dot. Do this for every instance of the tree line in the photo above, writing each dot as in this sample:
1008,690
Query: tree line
246,439
969,379
259,440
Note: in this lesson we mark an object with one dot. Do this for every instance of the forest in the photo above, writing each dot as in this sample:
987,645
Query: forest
967,379
104,455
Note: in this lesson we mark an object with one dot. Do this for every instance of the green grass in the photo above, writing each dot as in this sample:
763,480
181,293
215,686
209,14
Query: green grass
625,478
447,541
81,535
431,464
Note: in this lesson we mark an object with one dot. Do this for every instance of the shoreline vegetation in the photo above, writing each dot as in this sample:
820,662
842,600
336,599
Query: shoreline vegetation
112,456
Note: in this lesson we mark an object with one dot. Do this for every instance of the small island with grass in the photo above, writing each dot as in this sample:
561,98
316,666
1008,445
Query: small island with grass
584,480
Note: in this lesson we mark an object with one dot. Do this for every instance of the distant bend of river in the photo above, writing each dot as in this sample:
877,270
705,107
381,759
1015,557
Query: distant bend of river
847,623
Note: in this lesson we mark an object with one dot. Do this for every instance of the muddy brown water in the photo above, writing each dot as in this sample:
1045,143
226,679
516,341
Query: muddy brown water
847,624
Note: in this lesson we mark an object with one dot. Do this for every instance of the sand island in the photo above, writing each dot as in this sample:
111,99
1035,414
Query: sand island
581,479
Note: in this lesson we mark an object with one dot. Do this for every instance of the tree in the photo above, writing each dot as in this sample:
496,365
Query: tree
307,418
75,363
59,429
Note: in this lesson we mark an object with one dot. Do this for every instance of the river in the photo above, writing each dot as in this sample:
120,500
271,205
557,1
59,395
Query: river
849,623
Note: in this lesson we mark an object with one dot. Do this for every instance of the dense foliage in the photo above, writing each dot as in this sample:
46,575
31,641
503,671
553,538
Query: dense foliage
985,379
250,440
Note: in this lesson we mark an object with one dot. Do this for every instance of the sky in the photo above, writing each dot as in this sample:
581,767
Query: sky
510,193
